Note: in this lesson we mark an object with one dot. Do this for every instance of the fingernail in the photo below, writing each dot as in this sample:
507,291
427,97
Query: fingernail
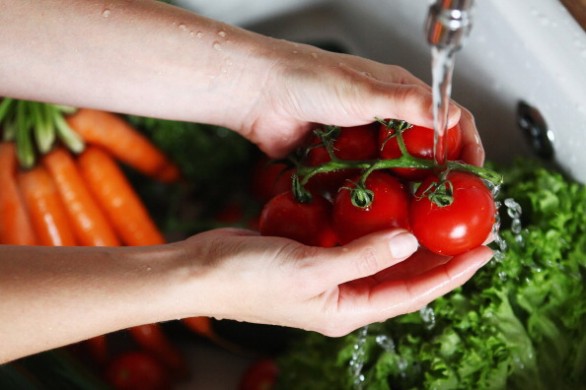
403,245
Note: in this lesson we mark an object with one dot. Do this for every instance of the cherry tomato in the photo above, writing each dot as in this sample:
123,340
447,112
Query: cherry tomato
389,208
260,375
308,223
134,370
419,143
456,228
351,143
270,178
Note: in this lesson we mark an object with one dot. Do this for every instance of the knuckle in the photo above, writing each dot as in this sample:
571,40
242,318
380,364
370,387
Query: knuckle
368,262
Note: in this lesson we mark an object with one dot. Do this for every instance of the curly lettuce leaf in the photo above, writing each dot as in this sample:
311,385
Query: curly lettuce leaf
520,323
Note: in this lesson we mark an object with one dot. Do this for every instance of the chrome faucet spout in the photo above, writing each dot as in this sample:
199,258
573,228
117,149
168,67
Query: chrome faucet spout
449,23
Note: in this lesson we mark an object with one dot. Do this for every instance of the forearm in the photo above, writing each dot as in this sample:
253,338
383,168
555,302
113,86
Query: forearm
52,297
139,57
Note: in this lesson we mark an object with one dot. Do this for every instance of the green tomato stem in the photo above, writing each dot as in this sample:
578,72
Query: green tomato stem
406,161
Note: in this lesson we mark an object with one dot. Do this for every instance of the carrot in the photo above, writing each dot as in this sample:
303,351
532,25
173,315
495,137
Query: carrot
125,210
123,141
45,207
15,225
90,225
152,338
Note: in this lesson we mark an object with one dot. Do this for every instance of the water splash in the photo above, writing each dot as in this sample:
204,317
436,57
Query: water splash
442,68
428,316
386,343
515,213
358,358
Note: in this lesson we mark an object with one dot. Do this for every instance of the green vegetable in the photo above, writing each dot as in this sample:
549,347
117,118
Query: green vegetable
519,323
215,163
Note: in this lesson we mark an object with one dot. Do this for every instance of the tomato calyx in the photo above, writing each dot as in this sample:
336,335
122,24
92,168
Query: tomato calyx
440,193
397,126
360,196
327,135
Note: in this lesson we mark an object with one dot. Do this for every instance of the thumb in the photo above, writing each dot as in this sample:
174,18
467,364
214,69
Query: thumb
367,255
410,102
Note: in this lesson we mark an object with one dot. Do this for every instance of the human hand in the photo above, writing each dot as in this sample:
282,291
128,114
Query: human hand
308,85
237,274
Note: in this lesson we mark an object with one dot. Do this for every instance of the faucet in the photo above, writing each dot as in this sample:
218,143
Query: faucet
448,23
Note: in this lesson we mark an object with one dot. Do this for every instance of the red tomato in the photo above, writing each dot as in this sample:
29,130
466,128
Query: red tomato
260,375
136,370
352,143
419,143
389,208
308,223
270,179
463,225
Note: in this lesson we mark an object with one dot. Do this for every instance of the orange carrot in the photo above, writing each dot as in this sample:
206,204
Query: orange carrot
123,141
90,225
15,224
45,207
124,208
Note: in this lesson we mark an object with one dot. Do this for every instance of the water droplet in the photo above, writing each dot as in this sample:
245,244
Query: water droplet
217,46
106,13
222,33
182,27
428,316
385,342
314,55
358,358
149,268
295,52
199,34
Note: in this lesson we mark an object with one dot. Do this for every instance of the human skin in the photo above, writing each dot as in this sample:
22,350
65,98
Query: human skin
152,59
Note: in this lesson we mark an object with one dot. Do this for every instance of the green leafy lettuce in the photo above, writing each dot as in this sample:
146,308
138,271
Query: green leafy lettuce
519,323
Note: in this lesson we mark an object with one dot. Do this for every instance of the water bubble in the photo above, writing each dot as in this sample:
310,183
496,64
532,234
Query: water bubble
106,13
514,212
385,342
428,316
358,358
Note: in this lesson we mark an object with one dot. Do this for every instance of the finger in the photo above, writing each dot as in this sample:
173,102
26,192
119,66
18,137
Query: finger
365,256
396,297
421,261
366,94
472,149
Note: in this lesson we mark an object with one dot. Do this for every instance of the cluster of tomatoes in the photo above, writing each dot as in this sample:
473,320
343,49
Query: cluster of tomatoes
346,182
